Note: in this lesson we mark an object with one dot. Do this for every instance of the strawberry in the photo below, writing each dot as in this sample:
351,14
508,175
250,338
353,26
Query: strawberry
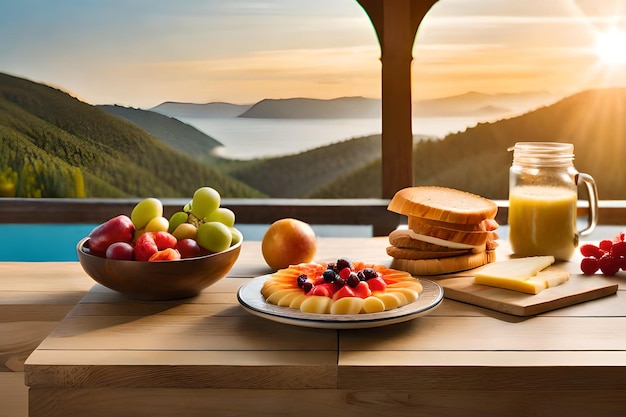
376,284
344,291
326,289
362,290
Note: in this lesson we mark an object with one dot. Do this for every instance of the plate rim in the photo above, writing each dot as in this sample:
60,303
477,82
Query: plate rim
250,298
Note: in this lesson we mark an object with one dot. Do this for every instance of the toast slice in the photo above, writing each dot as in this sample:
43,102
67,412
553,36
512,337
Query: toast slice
441,266
443,204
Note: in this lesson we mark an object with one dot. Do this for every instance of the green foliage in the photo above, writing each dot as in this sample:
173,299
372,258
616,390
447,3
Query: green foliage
8,182
304,174
45,135
477,159
172,132
53,145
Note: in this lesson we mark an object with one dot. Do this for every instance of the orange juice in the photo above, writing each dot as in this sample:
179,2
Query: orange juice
542,221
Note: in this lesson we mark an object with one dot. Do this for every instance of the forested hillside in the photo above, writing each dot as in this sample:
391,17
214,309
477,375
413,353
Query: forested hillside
168,130
302,175
53,145
477,159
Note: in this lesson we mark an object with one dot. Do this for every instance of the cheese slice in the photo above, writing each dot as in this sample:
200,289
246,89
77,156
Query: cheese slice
516,268
527,275
442,242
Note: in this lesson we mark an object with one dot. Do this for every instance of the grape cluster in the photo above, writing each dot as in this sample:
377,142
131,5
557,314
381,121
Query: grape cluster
609,256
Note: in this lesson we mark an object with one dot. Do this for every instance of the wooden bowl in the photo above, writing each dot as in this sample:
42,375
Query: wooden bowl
166,280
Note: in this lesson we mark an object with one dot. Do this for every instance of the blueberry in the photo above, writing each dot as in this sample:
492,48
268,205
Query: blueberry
329,275
301,280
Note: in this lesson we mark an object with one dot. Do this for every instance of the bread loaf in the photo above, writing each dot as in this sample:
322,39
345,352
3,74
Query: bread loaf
448,231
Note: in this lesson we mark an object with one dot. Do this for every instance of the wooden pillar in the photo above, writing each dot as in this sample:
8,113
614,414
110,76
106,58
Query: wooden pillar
396,23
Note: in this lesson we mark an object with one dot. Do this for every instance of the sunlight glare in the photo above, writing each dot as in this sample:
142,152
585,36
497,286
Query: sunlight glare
611,46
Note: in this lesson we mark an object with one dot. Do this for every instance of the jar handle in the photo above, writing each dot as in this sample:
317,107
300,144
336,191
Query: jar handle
592,193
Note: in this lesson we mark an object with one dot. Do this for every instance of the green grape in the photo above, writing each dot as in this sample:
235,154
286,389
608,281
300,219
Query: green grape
177,219
214,236
146,210
222,215
205,200
237,236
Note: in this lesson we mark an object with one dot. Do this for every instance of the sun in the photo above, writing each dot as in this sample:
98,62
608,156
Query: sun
611,46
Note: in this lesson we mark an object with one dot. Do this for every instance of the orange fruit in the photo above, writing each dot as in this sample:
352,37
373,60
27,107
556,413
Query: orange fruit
288,242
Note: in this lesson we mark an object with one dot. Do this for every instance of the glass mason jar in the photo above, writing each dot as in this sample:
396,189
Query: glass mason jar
543,199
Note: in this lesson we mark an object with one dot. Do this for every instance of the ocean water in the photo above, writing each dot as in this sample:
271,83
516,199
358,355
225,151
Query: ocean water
247,138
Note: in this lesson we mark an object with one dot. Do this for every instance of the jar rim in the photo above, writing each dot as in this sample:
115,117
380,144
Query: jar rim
543,147
543,153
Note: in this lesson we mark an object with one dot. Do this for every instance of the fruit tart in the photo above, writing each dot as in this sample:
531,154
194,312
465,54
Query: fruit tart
341,287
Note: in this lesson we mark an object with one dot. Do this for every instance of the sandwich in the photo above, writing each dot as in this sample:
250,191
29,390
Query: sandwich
447,231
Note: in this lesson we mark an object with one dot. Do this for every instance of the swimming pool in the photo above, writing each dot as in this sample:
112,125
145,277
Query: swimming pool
57,242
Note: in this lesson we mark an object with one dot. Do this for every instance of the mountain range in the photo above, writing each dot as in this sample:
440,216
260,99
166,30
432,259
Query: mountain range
464,105
53,145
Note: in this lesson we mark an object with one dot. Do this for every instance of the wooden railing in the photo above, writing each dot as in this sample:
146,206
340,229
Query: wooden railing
248,211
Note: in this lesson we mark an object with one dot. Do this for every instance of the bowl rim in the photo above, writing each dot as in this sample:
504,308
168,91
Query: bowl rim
81,244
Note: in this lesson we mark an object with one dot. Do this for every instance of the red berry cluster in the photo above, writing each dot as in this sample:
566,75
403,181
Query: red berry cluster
609,256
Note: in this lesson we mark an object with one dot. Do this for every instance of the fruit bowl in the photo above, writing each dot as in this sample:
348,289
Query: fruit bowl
166,280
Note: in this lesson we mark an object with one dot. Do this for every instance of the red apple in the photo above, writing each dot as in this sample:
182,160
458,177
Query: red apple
121,250
117,229
188,248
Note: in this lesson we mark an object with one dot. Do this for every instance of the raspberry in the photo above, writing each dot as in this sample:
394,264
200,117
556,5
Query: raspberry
609,265
618,249
588,250
606,245
589,266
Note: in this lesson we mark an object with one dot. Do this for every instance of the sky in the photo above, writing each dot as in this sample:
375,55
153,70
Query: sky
140,53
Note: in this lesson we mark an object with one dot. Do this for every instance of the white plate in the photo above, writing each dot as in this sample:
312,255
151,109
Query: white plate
250,297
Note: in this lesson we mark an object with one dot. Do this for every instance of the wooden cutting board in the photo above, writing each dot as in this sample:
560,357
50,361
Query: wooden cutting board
580,288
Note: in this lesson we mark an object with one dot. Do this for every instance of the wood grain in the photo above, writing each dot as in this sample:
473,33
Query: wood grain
578,289
206,356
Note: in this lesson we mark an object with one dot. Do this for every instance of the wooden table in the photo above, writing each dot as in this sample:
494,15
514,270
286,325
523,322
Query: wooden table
206,356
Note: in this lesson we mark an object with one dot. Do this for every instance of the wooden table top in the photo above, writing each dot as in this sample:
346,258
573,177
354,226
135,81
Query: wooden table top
160,355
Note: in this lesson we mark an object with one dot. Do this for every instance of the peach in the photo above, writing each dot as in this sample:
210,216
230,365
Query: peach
151,242
167,254
288,242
